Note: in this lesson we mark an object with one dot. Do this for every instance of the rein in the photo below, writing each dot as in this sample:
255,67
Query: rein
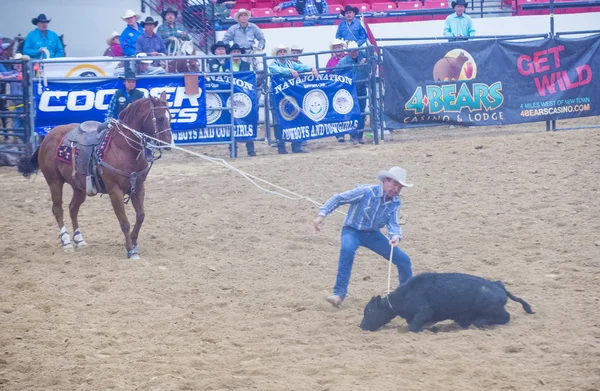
142,145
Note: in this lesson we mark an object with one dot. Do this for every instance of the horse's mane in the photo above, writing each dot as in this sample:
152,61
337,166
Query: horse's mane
131,111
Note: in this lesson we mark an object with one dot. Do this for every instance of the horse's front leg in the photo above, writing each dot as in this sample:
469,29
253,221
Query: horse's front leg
116,198
138,204
78,199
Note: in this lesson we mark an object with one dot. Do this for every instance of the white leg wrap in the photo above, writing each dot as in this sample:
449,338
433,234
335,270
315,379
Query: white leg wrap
78,239
64,237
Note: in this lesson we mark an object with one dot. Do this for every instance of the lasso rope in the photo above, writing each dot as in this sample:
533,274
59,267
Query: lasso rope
251,178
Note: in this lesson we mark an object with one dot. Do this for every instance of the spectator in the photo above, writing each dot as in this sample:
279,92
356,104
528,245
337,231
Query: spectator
357,60
237,65
459,24
16,88
131,33
3,46
123,97
220,12
336,44
171,29
307,8
283,66
179,5
219,64
148,67
350,28
150,44
246,34
114,46
296,49
42,39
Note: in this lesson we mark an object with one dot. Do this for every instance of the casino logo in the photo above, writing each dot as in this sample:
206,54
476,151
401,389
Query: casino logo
315,105
213,101
457,64
242,105
342,102
288,108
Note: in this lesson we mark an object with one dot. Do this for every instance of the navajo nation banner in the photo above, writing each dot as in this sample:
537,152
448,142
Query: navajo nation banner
245,110
492,82
63,103
313,107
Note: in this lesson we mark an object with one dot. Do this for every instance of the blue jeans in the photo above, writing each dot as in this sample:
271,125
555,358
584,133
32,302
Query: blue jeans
374,241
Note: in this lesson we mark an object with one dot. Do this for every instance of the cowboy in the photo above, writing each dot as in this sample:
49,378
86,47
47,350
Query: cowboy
114,46
150,44
131,33
371,208
123,97
297,50
237,65
459,24
307,8
336,44
220,12
171,29
356,61
16,89
244,33
350,28
219,64
283,66
41,40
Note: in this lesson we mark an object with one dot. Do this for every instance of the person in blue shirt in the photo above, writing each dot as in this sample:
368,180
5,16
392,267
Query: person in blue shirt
371,208
459,25
131,33
350,29
42,39
124,97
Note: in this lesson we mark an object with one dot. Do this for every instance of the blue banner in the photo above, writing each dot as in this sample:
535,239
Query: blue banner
61,103
245,110
312,107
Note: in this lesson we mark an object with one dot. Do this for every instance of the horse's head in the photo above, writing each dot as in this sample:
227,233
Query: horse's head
157,123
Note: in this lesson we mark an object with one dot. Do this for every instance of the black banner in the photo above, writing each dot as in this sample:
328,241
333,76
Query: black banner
491,82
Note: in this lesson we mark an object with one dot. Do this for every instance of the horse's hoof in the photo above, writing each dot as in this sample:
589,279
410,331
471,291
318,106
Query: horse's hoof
81,244
68,248
134,256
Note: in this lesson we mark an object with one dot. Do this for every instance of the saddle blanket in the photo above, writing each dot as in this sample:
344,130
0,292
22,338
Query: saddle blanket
64,152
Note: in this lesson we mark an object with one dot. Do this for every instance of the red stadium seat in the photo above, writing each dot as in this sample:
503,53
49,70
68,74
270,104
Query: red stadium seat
362,7
437,4
291,11
525,12
409,6
262,3
379,7
574,10
262,13
542,11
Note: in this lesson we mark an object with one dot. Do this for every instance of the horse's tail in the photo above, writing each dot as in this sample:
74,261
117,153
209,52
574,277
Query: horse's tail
29,165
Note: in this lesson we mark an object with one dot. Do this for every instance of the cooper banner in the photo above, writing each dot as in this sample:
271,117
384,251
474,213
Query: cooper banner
62,103
491,82
312,107
245,110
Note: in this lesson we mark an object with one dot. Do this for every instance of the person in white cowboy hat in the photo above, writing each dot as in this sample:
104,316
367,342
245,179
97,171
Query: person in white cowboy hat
297,50
371,208
42,39
459,25
131,33
336,44
350,29
171,29
246,34
114,46
282,65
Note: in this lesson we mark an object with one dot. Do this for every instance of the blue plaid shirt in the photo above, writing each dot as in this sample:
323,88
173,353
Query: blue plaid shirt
368,211
310,8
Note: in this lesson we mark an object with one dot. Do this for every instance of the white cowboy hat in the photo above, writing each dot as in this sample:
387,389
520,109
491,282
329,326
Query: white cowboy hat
278,48
129,14
20,56
352,45
337,42
112,36
139,55
395,173
241,11
297,47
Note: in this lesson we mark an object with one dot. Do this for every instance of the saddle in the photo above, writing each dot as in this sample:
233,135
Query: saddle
87,139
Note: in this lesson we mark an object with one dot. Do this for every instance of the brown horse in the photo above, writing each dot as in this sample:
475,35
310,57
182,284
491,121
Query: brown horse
123,169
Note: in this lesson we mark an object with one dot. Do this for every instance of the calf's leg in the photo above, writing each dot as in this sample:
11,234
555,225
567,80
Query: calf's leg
500,317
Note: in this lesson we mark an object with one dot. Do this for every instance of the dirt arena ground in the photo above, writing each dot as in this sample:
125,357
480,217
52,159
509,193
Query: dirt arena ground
230,291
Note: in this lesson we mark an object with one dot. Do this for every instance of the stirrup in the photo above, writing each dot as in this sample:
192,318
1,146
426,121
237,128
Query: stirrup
90,188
